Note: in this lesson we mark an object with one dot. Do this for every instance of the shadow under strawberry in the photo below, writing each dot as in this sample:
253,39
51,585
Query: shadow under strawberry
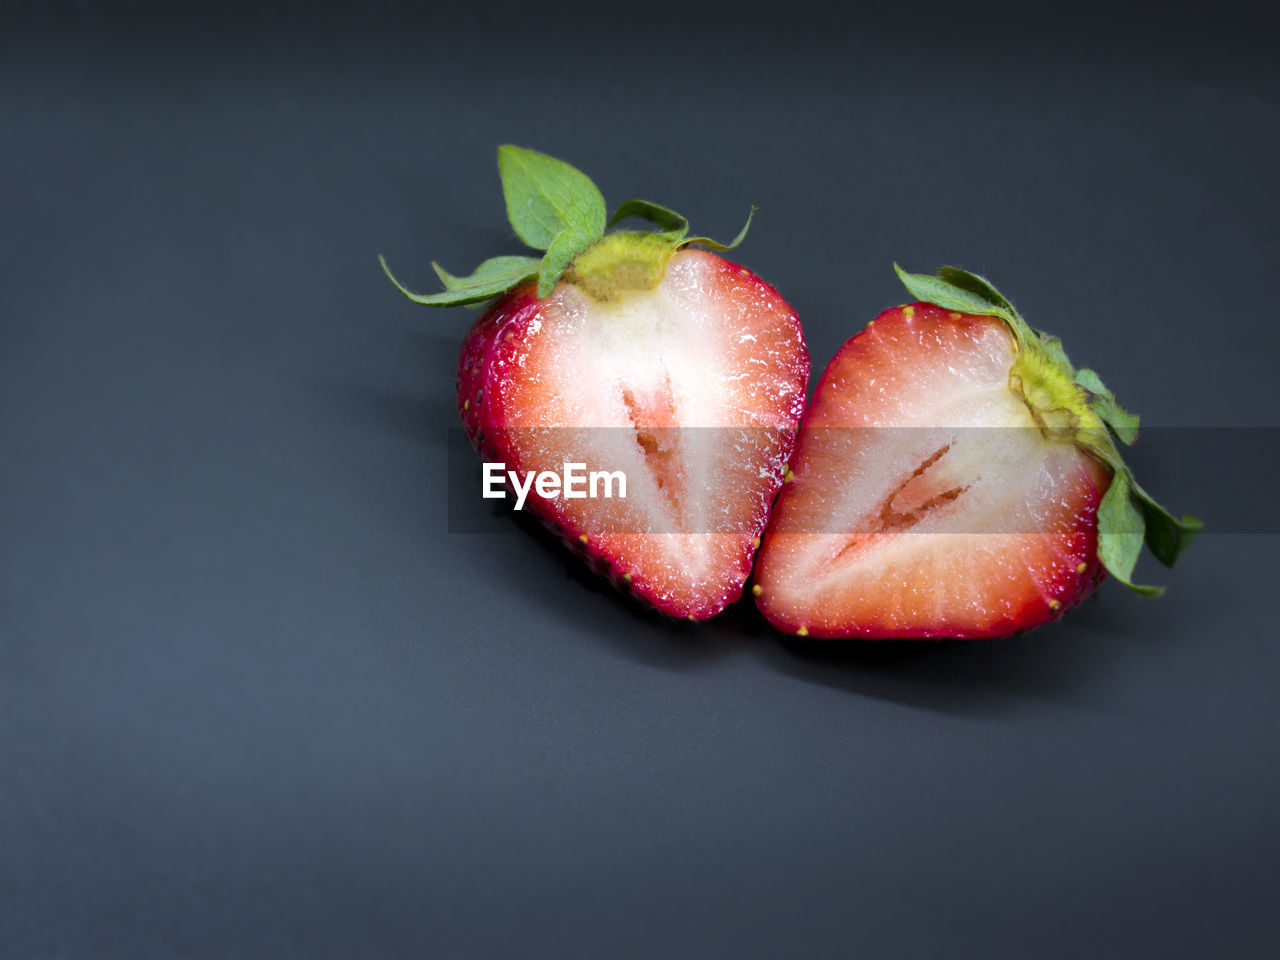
965,677
618,619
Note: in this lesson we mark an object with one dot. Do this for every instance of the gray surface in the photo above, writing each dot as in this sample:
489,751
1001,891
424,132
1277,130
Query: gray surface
256,701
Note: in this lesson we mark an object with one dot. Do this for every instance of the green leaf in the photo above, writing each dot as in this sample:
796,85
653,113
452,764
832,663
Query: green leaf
978,286
717,245
560,254
674,226
493,269
1167,536
947,295
545,197
474,289
1120,534
1053,347
1103,403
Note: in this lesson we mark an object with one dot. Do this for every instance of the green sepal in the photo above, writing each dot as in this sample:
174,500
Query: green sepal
1053,347
978,286
1167,536
495,268
963,299
545,197
1103,401
1121,530
716,244
1128,516
674,225
567,245
490,279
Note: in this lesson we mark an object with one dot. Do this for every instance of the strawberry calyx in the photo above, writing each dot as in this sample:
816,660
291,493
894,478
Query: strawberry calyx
1072,406
555,208
622,261
1059,406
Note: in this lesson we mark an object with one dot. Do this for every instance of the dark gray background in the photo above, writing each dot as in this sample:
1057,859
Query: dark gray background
257,701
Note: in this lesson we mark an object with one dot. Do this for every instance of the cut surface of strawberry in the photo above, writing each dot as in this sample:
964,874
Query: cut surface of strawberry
681,371
949,481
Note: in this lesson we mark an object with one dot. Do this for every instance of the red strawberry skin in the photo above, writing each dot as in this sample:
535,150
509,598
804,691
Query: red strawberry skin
906,425
525,389
506,318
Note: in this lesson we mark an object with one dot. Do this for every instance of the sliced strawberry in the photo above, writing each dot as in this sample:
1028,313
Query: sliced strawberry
673,366
691,389
948,481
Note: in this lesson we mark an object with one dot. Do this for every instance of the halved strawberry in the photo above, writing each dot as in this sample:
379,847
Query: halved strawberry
951,479
632,353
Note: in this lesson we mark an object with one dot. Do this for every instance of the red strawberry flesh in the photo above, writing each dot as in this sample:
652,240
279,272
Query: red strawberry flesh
926,500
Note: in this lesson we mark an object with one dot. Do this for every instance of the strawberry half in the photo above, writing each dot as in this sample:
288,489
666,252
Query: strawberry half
955,477
630,353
